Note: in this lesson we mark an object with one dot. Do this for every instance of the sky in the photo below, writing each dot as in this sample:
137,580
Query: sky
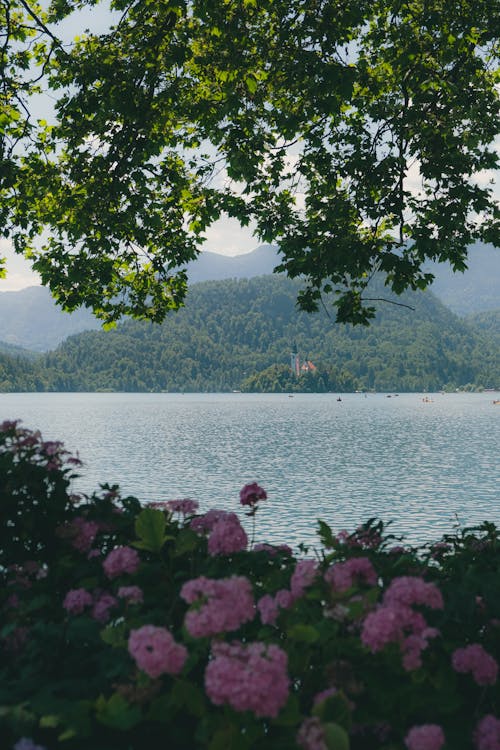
224,236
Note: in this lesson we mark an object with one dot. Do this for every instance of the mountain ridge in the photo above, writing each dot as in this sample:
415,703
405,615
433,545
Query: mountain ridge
30,318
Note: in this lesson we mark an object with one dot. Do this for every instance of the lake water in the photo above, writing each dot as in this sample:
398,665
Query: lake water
423,465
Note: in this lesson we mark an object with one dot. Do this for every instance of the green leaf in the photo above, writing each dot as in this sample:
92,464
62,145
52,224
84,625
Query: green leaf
336,738
290,715
326,535
187,694
117,713
150,528
49,721
303,633
114,635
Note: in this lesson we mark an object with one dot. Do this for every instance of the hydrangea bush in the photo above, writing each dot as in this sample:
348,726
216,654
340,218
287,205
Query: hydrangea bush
125,626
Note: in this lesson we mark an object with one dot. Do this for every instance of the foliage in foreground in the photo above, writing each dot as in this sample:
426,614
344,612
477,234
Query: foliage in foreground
125,626
350,133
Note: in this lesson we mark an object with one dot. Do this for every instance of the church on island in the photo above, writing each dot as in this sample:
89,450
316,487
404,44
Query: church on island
297,367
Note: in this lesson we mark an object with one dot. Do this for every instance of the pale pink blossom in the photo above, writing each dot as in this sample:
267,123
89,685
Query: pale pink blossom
83,533
206,522
487,733
227,536
251,493
155,651
121,560
131,594
345,575
248,677
425,737
226,604
410,590
76,600
302,577
103,603
284,598
311,735
477,661
398,624
268,609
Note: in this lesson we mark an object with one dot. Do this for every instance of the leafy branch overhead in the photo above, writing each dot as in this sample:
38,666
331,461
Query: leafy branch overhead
356,135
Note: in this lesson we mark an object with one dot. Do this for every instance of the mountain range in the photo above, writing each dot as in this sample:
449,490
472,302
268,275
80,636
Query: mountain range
238,334
30,318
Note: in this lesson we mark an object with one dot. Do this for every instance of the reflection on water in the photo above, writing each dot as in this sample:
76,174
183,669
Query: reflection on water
423,465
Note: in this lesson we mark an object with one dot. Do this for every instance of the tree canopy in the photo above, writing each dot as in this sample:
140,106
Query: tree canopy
350,133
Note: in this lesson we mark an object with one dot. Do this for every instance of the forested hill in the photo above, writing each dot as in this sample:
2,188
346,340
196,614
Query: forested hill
232,330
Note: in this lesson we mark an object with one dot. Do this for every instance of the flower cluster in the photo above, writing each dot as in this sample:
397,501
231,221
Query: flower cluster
487,733
343,575
395,620
249,677
103,604
77,600
303,576
425,737
311,735
81,532
121,560
155,651
251,493
220,606
226,534
131,594
477,661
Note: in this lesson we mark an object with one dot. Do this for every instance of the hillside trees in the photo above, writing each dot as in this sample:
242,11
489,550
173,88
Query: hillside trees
311,121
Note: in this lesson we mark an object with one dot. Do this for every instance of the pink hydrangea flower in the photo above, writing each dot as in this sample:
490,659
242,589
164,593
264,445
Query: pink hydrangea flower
185,507
284,598
425,737
477,661
410,590
76,600
131,594
121,560
268,609
103,603
155,651
251,677
269,606
251,493
227,536
342,576
226,604
205,523
398,624
83,532
311,735
413,645
302,577
487,733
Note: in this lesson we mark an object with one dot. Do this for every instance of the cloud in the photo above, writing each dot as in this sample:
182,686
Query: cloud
19,273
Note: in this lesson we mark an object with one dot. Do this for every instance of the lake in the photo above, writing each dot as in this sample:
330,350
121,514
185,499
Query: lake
426,466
